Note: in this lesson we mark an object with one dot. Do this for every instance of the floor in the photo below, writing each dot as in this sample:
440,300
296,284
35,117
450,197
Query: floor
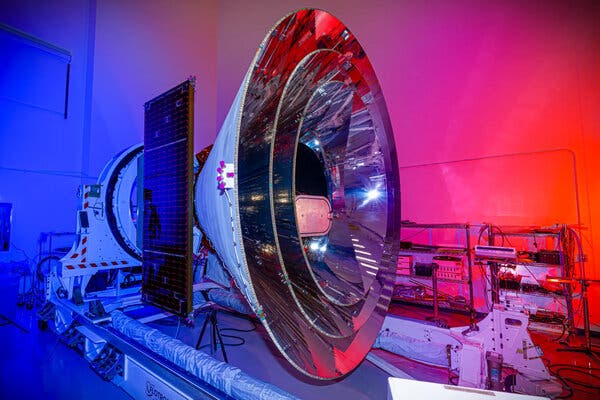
257,358
34,365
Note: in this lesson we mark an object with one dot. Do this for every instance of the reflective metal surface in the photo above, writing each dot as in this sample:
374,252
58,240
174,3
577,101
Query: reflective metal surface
312,121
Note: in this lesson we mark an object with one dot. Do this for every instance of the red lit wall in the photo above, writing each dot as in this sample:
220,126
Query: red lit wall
495,105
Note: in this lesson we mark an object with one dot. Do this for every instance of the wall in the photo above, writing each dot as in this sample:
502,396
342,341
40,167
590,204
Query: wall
41,152
466,81
123,54
144,48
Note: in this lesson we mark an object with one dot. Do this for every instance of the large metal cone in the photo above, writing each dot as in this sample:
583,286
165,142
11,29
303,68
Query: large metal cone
309,110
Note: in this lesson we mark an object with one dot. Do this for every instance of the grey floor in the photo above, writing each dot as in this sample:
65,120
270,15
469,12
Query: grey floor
257,358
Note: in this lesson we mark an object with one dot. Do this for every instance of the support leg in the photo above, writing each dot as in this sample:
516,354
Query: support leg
206,320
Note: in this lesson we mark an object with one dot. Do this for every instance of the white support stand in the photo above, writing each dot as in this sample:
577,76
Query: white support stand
502,332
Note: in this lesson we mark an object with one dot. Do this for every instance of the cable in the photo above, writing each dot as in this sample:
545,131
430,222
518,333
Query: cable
178,326
568,381
562,333
481,230
532,275
68,174
566,387
453,380
486,281
22,251
578,382
550,365
241,340
241,330
39,264
414,234
489,282
502,234
424,285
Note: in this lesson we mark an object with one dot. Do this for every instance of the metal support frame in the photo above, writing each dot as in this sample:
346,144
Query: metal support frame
502,331
215,333
468,255
566,265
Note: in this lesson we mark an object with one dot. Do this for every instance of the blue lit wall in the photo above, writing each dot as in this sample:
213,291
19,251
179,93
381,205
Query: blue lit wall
123,54
42,154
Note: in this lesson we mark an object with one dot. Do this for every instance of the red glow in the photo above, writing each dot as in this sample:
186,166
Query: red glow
467,80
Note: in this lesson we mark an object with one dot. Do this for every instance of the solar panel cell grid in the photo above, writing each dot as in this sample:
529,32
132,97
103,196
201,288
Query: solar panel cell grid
168,185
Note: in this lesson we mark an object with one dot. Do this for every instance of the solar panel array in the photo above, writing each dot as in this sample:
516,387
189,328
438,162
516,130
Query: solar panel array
168,207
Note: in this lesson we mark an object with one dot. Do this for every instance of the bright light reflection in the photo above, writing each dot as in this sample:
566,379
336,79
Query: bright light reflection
373,194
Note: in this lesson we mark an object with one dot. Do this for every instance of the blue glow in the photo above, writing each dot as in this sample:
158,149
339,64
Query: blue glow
373,194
